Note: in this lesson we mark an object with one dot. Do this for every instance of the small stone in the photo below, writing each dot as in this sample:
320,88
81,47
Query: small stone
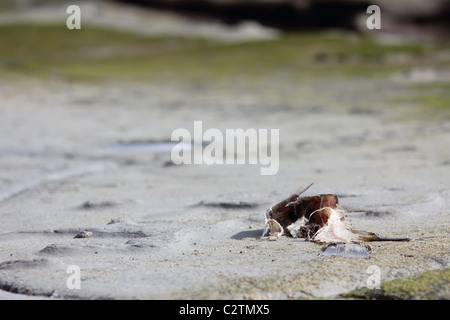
83,235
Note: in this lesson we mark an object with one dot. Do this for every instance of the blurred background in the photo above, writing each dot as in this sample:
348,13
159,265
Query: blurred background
195,40
254,63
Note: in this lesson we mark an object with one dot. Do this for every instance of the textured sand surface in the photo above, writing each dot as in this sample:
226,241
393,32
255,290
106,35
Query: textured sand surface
177,232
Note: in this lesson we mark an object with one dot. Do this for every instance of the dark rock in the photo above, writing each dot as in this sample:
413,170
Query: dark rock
312,14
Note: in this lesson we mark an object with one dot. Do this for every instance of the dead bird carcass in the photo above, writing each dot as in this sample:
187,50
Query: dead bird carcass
316,218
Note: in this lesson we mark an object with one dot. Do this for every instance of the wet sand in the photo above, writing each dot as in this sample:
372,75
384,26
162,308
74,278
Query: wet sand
161,231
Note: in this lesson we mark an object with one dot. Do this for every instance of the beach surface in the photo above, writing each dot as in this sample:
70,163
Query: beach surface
161,231
81,156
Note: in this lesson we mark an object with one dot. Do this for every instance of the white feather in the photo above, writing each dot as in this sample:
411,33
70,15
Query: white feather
336,230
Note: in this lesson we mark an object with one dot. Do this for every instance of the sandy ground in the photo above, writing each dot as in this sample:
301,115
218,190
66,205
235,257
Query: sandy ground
162,231
77,157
